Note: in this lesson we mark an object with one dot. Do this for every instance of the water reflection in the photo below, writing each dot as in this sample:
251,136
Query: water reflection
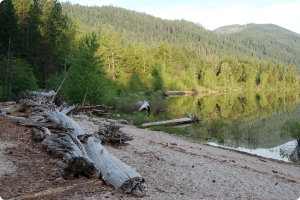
242,120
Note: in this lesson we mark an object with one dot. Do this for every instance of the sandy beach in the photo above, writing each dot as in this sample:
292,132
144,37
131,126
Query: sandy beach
177,168
172,166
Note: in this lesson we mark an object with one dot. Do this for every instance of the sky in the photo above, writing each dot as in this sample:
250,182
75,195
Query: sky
216,13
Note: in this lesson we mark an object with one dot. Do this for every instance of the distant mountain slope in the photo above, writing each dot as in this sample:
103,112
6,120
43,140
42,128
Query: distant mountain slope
268,42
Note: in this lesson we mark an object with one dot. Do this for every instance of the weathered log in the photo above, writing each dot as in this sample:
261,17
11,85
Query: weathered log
111,134
113,171
143,105
174,121
44,94
116,173
39,124
18,108
177,121
73,157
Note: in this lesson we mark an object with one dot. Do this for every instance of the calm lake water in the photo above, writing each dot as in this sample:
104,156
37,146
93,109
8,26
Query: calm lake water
248,121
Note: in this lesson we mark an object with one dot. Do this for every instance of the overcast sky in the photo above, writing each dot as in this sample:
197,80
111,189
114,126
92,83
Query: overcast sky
216,13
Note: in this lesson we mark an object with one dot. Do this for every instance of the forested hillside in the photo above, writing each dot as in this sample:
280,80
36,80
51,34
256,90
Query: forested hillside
263,42
109,50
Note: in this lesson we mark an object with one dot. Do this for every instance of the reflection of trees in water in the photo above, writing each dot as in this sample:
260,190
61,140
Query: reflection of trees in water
291,152
252,137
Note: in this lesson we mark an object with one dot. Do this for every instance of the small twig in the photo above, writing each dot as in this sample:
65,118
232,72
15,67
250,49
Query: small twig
85,95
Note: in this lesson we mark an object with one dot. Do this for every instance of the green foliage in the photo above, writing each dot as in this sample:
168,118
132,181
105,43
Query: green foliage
19,77
157,103
216,129
127,102
252,40
157,80
139,117
1,92
135,83
149,92
85,73
292,129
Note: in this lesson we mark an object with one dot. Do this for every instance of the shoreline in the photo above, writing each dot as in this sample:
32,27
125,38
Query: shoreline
175,167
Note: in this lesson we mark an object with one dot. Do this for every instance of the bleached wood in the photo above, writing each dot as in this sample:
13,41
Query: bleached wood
174,121
44,94
113,171
116,173
73,157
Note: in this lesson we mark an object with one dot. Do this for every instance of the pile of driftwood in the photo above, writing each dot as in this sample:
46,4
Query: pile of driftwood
75,150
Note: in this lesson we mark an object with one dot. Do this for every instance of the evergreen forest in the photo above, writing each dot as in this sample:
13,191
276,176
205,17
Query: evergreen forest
109,50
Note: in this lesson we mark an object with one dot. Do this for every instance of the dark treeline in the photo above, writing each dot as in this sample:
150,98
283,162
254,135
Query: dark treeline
39,44
263,42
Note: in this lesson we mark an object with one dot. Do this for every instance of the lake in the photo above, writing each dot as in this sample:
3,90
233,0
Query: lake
248,121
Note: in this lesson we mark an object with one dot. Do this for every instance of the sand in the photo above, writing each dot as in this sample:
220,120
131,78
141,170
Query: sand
177,168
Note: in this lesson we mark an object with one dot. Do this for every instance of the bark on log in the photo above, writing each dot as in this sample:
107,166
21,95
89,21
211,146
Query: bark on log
116,173
73,156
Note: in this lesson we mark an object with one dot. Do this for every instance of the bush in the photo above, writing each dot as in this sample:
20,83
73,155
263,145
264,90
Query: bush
127,102
291,128
139,117
149,92
157,103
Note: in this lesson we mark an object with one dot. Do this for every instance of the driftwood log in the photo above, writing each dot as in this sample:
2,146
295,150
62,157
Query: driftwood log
113,171
143,105
176,121
74,158
43,94
111,134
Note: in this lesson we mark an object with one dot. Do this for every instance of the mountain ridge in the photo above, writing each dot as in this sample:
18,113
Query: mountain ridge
263,42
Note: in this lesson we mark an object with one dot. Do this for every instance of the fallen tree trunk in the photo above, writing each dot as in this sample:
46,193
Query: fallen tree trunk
44,94
73,156
18,108
176,121
113,171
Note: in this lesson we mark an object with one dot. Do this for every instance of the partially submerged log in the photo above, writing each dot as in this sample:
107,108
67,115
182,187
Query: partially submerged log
177,121
111,134
115,172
